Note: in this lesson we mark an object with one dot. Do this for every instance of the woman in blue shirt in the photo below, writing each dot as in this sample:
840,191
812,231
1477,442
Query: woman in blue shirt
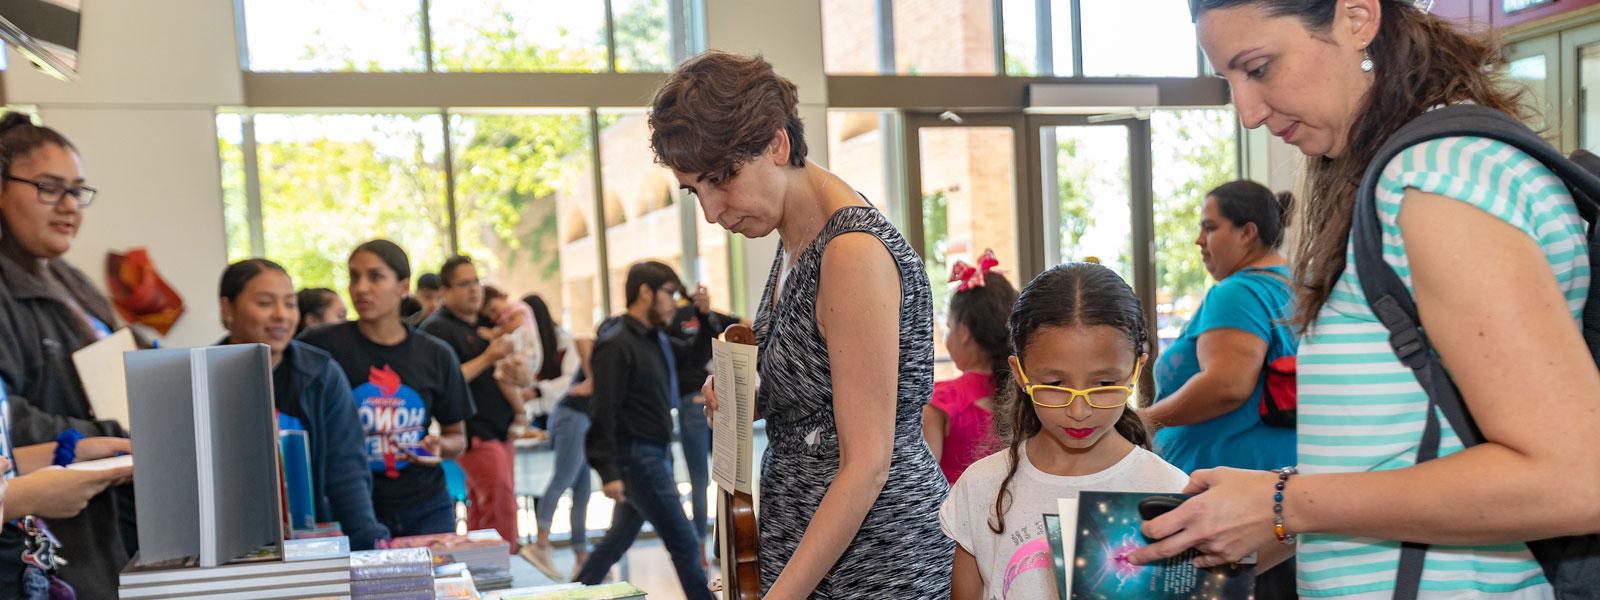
1209,383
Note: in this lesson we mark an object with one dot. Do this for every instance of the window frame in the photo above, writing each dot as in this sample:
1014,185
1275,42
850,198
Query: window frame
685,26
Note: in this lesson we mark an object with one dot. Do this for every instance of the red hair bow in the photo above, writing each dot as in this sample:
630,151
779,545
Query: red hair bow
970,276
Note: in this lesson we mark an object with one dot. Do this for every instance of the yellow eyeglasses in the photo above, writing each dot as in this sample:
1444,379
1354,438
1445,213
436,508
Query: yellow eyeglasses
1055,396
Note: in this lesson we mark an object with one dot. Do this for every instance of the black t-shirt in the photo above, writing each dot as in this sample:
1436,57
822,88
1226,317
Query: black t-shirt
494,414
399,391
685,324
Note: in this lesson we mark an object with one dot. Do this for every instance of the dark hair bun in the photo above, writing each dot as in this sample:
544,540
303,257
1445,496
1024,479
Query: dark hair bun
13,119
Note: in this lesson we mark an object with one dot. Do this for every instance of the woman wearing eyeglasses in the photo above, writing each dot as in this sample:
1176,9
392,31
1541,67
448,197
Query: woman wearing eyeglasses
48,310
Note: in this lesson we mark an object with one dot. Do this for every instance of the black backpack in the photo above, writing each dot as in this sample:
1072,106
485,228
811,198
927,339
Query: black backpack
1572,564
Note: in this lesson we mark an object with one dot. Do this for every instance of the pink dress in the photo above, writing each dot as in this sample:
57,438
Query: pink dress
971,436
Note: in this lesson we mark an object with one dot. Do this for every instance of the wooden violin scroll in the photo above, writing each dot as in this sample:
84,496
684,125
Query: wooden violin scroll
742,571
740,333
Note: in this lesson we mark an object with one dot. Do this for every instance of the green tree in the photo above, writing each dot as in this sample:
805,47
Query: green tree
321,196
641,36
1091,171
236,228
332,183
1072,193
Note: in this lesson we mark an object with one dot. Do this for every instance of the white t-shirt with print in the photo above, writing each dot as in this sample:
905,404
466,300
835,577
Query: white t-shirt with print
1016,565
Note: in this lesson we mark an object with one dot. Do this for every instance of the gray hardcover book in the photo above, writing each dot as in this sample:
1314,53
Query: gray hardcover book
206,481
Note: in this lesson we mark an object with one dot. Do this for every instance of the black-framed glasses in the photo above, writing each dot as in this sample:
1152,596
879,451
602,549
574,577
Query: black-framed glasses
51,193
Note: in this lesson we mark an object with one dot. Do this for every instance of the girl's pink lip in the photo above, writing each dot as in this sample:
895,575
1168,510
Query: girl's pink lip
1079,433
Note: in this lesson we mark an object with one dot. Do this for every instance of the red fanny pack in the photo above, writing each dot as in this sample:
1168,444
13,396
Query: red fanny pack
1280,399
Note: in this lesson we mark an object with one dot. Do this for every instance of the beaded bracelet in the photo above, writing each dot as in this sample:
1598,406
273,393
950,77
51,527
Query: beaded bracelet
66,448
1278,528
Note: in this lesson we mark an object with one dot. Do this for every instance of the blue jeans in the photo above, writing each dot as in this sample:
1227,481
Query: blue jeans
652,495
430,516
568,427
695,436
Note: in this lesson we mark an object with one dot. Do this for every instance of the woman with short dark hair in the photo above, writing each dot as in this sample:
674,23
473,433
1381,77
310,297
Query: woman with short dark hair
850,493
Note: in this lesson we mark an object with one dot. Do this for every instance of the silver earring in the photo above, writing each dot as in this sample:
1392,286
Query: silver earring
1366,61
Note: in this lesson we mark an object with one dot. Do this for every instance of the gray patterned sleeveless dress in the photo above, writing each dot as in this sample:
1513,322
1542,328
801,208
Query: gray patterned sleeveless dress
900,551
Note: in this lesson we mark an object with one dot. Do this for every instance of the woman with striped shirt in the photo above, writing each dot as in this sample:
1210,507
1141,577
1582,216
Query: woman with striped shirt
1488,242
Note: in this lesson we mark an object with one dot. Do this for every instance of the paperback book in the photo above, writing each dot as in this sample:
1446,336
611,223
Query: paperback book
1097,531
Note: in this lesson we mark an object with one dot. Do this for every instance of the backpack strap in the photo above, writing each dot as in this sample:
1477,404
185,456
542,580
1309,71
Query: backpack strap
1392,303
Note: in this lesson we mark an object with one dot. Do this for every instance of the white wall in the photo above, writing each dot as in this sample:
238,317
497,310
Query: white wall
795,50
157,172
1271,162
142,53
151,74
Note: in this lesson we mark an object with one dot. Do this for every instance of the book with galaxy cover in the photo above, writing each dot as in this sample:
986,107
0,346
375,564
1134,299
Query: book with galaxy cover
1098,532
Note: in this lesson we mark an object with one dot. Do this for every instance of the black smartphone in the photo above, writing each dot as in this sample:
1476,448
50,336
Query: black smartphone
1155,506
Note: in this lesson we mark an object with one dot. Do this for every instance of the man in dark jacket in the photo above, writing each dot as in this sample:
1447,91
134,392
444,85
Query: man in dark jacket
630,441
694,434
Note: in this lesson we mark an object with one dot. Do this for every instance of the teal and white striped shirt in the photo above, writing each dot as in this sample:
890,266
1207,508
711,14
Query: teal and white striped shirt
1362,410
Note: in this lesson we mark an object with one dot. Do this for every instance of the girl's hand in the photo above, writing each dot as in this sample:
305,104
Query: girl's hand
96,448
1229,517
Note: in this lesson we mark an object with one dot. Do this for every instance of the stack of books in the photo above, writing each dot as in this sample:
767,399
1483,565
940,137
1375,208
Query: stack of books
484,552
398,574
260,578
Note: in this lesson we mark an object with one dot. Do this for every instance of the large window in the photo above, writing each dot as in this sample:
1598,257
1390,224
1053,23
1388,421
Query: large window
236,209
861,150
525,206
1195,151
968,207
488,35
1093,196
329,182
503,35
643,218
1138,38
524,200
334,35
1034,44
1036,38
